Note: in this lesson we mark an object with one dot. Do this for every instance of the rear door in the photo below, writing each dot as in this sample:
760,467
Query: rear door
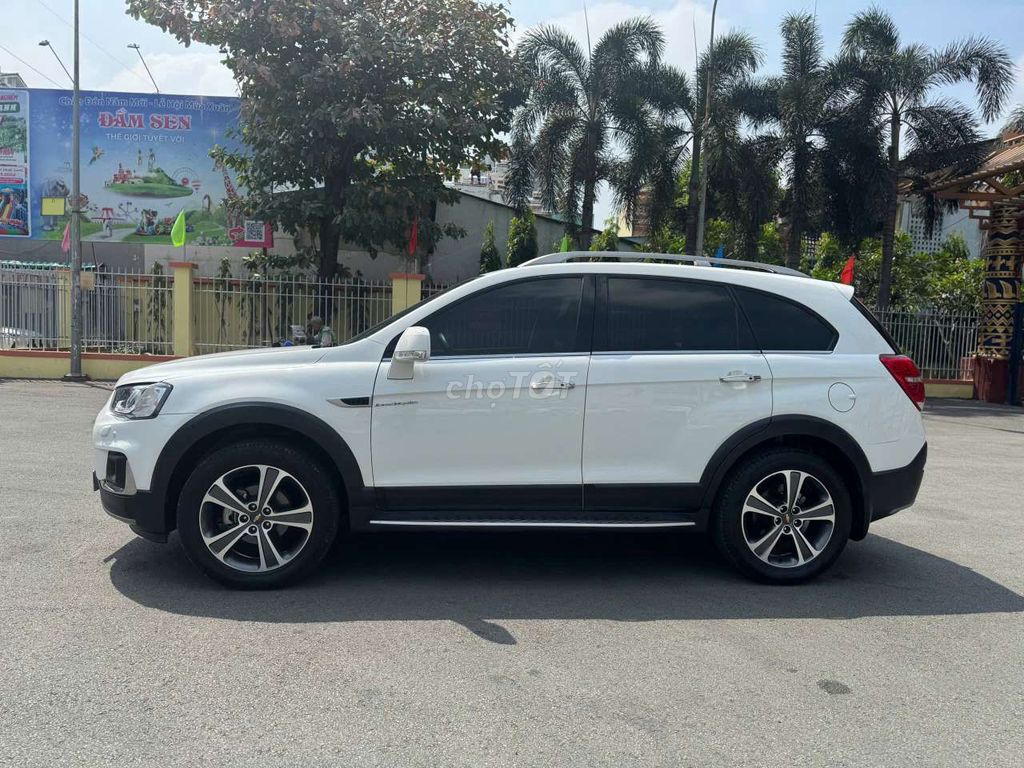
675,371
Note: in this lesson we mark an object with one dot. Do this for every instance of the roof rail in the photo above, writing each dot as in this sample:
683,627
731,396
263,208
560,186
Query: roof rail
700,261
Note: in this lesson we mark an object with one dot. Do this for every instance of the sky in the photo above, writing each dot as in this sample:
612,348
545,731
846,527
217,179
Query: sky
108,64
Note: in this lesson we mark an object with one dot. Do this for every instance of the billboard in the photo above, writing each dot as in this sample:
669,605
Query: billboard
14,165
144,158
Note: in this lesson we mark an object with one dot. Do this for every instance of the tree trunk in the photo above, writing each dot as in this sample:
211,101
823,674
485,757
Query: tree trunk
692,193
889,230
587,214
797,208
330,239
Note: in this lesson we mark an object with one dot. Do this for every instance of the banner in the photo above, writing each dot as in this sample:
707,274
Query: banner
144,158
15,220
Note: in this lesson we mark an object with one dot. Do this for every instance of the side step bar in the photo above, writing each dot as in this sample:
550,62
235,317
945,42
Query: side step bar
537,523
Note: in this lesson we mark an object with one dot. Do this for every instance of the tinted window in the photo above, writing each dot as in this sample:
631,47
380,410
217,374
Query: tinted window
671,315
530,317
784,326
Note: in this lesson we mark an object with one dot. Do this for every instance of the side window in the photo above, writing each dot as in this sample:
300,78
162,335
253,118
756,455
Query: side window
531,317
781,325
648,315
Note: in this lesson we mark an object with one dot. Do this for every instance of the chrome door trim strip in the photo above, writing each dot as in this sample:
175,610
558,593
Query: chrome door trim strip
524,524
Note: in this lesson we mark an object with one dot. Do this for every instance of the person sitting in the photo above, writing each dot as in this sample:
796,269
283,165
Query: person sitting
318,334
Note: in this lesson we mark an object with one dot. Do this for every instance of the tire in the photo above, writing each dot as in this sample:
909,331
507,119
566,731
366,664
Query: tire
227,536
775,546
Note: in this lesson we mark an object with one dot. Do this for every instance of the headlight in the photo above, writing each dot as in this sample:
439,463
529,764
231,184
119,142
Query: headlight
139,401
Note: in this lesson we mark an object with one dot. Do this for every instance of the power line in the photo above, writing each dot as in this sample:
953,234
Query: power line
96,45
16,56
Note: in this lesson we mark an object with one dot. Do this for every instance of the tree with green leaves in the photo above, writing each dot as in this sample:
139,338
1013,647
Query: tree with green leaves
360,108
490,259
735,96
805,97
608,238
522,239
582,110
747,191
947,280
892,83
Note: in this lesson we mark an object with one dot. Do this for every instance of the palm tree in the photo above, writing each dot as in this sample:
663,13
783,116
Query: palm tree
735,56
805,95
581,110
655,156
747,189
1015,122
895,81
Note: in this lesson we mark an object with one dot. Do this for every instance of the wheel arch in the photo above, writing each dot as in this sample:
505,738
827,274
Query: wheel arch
809,433
227,424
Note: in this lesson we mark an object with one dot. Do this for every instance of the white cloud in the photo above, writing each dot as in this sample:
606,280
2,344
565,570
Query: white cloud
680,23
189,72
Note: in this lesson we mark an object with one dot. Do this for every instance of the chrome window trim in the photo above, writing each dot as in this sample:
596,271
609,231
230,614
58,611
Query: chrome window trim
500,357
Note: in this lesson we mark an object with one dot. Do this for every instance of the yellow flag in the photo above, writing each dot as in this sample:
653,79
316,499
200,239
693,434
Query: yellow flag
178,231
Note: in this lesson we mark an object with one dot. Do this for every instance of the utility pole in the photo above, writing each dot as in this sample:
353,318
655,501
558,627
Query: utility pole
705,137
138,50
75,374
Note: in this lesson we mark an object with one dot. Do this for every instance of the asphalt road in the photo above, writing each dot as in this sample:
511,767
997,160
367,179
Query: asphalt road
511,650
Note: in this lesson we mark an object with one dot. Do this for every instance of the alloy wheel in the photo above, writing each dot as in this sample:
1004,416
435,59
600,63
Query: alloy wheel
256,518
788,518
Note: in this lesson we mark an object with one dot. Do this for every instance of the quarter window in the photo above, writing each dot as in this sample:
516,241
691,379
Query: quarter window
781,325
654,315
531,317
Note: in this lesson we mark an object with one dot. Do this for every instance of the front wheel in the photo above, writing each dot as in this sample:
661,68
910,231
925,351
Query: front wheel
258,514
783,516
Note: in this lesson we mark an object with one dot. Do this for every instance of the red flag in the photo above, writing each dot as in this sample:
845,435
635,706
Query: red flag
847,276
414,236
65,242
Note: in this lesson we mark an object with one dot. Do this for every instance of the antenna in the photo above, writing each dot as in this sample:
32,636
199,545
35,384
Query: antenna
586,21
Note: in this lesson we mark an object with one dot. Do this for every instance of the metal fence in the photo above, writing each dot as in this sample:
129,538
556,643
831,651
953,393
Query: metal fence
236,314
132,313
32,313
941,343
128,313
122,313
432,289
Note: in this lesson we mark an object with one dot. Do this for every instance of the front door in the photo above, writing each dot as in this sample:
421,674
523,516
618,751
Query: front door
674,373
493,421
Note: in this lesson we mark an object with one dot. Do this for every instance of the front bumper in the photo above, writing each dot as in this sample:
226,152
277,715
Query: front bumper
896,489
143,514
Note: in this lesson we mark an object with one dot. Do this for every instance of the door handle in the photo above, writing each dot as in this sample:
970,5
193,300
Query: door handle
551,383
739,377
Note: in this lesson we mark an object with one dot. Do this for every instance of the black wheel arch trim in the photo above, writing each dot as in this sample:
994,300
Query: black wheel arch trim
789,426
241,414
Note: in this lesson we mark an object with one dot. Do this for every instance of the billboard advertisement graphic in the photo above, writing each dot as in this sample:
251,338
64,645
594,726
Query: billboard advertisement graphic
144,158
15,220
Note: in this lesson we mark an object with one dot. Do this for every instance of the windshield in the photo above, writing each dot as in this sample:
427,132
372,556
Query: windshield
384,323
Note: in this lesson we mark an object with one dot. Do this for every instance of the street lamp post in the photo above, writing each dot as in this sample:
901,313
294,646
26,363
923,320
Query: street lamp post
135,47
75,374
48,44
699,249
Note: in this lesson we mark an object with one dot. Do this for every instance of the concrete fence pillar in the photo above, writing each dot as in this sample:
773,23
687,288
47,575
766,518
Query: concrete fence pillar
182,293
405,290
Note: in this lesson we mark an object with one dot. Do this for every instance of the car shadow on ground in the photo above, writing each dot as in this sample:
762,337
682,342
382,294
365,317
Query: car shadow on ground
479,579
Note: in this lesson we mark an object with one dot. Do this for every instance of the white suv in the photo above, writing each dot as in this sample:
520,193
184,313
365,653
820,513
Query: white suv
764,407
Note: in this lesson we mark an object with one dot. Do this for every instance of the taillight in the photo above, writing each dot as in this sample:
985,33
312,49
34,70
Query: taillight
907,375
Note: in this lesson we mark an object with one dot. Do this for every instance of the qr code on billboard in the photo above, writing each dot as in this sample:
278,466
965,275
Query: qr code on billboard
254,231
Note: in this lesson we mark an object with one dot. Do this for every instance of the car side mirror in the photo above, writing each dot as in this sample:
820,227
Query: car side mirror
413,347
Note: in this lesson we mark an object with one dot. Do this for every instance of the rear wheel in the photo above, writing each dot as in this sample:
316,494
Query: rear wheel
258,514
783,516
